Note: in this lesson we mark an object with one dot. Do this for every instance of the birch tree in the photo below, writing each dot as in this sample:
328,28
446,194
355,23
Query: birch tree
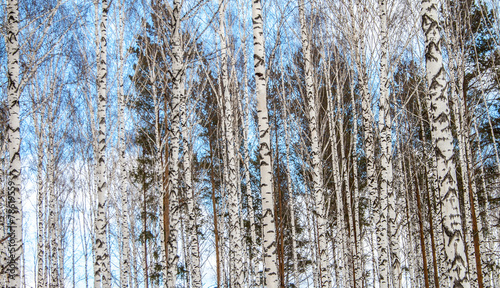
315,153
178,76
439,114
12,265
125,234
266,179
236,257
102,275
386,237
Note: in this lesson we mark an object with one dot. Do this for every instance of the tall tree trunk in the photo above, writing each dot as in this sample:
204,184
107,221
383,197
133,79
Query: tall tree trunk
315,153
54,275
439,114
388,238
178,76
14,214
41,199
289,185
102,275
421,231
235,240
253,250
367,116
266,173
215,212
358,265
125,234
485,231
191,199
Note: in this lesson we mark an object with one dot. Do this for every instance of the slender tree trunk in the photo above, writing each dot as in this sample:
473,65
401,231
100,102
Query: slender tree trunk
455,257
477,276
235,240
266,173
485,232
178,76
40,203
254,250
61,248
191,200
367,115
315,154
296,280
102,275
358,268
421,232
388,238
125,234
341,227
14,204
216,221
54,275
429,193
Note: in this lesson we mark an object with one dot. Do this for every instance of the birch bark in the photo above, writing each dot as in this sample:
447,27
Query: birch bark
295,271
102,275
13,203
235,240
125,234
53,268
439,114
266,174
315,153
388,238
178,76
253,250
41,189
191,199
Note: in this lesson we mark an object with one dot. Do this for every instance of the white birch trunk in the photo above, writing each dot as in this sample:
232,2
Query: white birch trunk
123,173
178,76
289,185
191,200
235,240
40,200
454,246
358,268
485,231
458,115
341,229
13,204
102,275
266,174
315,154
388,237
367,116
53,244
254,248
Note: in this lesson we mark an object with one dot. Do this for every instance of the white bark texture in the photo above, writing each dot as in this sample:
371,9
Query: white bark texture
102,274
315,154
266,173
37,121
13,204
123,173
357,226
191,199
254,248
388,233
439,114
53,241
178,77
289,185
235,240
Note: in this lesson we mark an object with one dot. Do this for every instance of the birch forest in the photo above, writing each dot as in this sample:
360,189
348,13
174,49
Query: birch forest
249,143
